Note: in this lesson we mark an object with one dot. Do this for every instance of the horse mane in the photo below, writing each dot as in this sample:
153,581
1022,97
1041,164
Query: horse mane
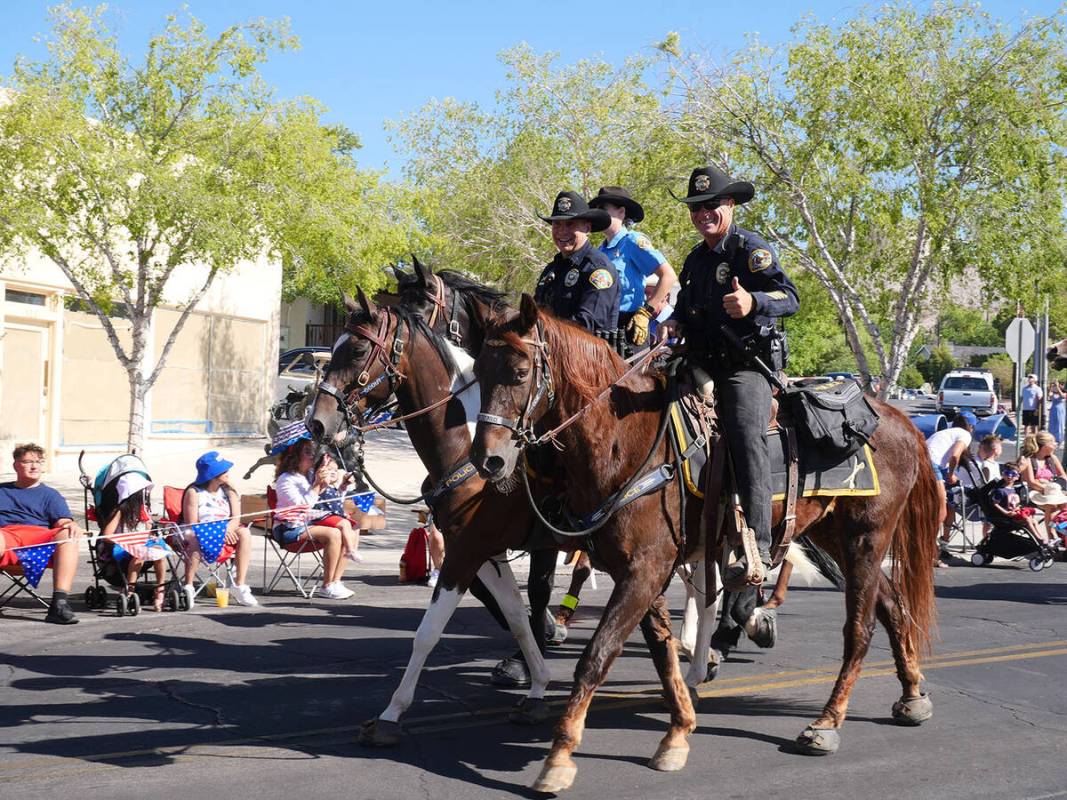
468,288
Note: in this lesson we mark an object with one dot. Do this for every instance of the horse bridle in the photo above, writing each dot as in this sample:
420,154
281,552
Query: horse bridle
389,356
437,297
522,427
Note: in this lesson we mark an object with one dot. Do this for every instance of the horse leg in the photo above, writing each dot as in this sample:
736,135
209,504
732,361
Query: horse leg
687,640
500,580
863,566
913,707
702,665
629,602
673,750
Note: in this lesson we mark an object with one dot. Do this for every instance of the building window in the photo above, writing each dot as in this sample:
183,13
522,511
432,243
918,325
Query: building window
29,298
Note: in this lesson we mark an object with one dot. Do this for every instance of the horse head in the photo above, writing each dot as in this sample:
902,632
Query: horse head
516,389
1057,355
365,367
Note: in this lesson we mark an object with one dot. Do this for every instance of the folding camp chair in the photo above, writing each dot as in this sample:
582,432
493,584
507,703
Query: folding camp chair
290,556
17,585
221,571
967,513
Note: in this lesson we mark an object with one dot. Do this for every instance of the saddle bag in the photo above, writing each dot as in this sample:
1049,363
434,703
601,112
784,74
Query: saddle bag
834,418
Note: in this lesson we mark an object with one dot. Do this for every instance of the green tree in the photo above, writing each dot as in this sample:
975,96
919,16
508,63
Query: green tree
1003,370
893,153
939,364
968,326
123,174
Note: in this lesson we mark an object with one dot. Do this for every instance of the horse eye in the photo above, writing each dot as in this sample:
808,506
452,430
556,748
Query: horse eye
522,374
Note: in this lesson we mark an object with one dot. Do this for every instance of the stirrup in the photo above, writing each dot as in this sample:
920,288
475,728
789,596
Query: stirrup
750,571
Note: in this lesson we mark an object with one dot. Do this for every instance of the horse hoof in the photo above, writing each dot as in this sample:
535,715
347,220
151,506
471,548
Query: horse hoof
531,711
380,733
669,759
554,778
913,710
818,741
762,627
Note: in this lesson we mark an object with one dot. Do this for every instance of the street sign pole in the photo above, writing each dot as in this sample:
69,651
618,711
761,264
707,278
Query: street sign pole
1019,342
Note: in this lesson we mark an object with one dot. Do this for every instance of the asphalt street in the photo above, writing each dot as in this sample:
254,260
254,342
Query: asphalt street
267,702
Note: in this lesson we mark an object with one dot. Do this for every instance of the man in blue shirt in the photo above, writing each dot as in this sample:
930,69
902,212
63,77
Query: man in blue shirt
32,513
635,259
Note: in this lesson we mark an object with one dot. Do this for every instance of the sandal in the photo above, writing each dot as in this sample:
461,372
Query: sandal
158,596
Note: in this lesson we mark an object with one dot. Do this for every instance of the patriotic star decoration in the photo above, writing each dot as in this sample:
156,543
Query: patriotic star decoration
363,501
211,536
34,561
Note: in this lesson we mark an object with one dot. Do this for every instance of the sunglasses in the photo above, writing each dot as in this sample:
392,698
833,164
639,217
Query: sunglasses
708,205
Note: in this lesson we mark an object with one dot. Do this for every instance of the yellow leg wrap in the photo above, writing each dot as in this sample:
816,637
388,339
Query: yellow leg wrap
569,601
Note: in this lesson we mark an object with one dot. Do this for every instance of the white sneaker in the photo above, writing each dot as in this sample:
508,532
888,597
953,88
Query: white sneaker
190,594
242,595
355,557
335,591
432,580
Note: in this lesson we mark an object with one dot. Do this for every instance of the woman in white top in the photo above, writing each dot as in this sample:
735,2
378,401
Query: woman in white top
208,499
298,511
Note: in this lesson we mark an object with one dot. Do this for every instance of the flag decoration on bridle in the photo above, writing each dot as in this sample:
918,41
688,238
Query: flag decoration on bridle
211,536
34,561
364,501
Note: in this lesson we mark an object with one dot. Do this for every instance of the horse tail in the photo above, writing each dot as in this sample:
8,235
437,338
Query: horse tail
913,551
822,561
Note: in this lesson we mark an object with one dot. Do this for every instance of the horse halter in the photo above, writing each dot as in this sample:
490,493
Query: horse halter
522,427
437,297
389,356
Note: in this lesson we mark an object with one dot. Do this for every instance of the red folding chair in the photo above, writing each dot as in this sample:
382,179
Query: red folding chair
289,556
221,570
11,569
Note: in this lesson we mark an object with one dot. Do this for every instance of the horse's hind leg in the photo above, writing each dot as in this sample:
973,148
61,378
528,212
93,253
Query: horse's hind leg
701,667
863,570
629,602
913,707
673,750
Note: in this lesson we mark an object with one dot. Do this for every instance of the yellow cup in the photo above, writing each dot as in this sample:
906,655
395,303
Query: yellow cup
222,597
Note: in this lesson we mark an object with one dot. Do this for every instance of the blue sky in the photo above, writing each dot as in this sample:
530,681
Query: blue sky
373,61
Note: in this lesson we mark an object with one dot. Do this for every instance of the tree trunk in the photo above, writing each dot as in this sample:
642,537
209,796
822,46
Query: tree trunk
135,433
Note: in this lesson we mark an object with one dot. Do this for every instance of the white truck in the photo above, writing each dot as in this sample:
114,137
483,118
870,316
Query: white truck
968,390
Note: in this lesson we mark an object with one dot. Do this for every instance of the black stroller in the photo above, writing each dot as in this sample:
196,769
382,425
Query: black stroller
101,500
1008,537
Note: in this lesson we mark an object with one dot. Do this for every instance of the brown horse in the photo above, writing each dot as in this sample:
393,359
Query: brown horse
536,371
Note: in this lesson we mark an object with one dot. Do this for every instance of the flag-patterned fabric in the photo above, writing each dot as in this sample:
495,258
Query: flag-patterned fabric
211,536
128,539
34,561
364,501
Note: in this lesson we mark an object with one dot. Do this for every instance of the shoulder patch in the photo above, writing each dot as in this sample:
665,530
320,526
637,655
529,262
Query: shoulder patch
759,260
602,279
643,241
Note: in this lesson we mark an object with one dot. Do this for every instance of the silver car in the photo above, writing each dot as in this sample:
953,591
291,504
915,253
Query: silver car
300,368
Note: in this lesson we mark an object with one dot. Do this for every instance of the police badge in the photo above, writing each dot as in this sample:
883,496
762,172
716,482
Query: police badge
563,205
722,272
571,279
702,182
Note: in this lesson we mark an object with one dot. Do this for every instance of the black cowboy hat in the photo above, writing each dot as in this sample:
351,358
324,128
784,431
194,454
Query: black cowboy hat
570,205
619,196
708,183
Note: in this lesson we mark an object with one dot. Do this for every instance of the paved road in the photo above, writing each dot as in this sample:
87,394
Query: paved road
265,703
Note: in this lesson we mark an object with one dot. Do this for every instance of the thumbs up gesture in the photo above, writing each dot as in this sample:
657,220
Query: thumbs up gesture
738,303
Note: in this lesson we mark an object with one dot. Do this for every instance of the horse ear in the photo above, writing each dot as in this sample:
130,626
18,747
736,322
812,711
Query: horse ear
350,304
365,305
527,312
422,272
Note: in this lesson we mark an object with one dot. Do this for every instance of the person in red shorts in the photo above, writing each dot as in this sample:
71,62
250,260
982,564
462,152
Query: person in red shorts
32,513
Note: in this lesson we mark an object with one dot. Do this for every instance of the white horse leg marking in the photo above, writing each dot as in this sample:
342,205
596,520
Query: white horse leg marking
434,620
506,591
698,664
687,639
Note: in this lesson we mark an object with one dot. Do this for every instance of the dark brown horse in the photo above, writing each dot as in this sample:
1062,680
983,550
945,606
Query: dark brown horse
604,448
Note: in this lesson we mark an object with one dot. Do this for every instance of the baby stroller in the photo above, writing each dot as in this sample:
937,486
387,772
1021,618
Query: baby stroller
1008,537
107,571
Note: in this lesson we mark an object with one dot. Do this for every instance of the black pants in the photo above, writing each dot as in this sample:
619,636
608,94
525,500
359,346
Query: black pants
744,405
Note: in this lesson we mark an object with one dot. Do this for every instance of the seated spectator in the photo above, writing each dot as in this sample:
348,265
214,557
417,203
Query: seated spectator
298,513
945,449
133,514
32,513
1007,503
332,507
208,499
1040,470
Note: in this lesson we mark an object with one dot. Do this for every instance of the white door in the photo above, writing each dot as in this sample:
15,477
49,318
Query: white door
24,402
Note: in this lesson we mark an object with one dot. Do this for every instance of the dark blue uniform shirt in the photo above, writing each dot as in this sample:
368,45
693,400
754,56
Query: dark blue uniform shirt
582,288
707,277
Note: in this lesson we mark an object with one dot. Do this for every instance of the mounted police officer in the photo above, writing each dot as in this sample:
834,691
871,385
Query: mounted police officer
580,284
635,259
733,292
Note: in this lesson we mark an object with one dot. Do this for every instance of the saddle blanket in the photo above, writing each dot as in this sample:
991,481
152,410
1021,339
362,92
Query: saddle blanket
855,476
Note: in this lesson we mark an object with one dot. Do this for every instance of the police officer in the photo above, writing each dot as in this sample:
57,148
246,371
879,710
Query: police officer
635,259
580,284
732,279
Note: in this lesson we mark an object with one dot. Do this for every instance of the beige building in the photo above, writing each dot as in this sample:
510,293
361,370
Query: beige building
61,384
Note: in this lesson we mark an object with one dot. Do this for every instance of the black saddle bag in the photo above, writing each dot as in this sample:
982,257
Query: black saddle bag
834,418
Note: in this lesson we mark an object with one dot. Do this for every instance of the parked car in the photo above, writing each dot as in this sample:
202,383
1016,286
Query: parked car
967,390
299,368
